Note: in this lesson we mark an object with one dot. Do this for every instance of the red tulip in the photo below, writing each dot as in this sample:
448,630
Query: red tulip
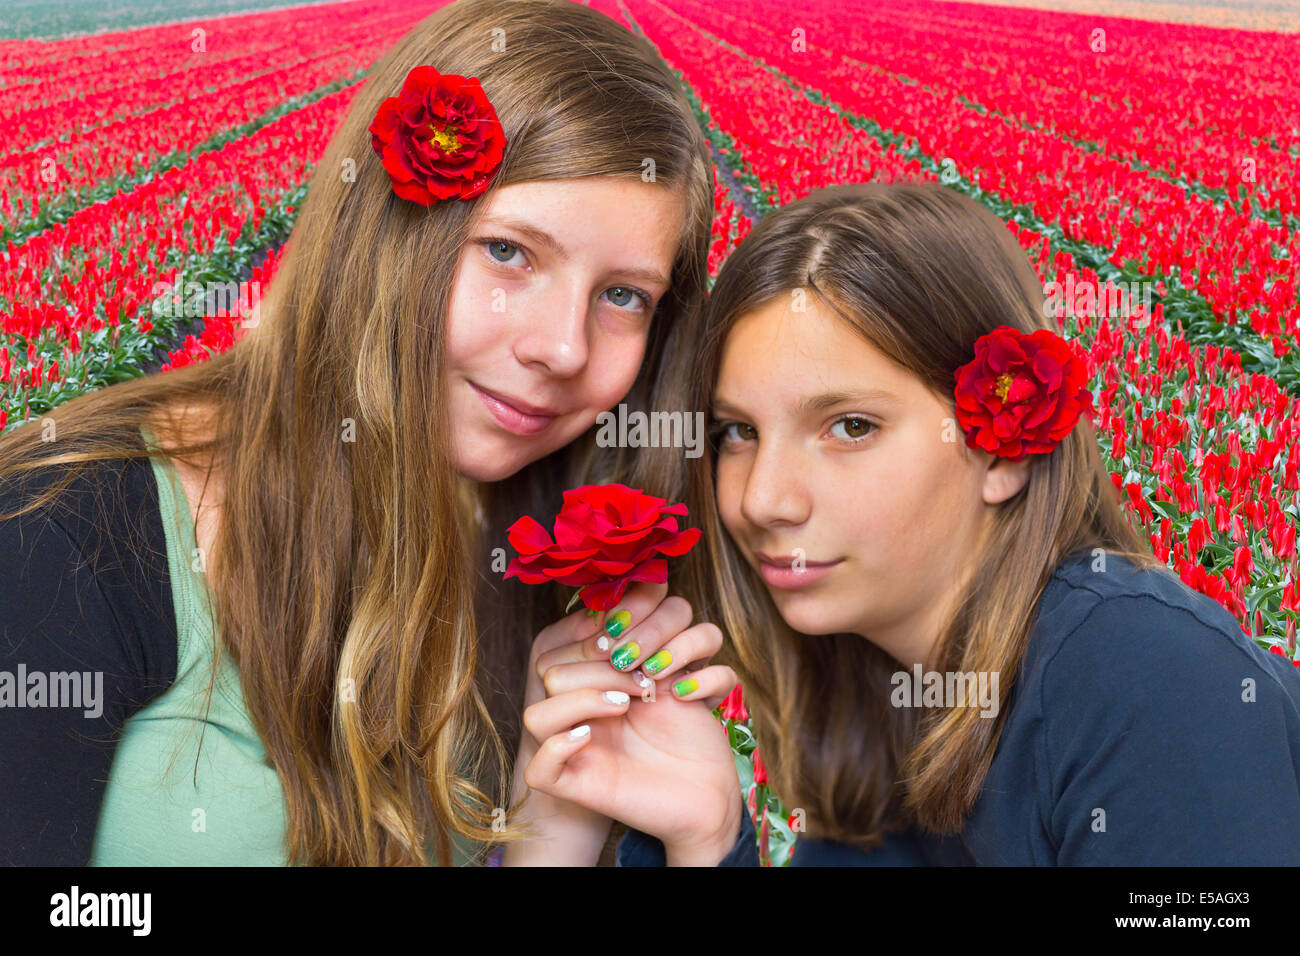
733,707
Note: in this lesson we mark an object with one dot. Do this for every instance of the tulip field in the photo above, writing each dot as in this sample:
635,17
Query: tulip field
1151,172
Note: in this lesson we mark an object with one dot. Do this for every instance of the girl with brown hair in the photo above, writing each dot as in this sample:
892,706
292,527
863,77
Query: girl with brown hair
312,657
954,646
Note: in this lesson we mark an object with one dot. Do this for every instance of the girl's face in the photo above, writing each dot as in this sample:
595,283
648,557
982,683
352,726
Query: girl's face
550,312
833,457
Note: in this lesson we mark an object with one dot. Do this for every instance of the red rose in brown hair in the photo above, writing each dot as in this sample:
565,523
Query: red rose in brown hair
439,138
1021,394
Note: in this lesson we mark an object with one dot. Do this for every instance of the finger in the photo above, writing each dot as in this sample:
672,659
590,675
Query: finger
545,770
644,639
638,601
695,645
567,630
548,717
587,649
588,638
710,684
596,675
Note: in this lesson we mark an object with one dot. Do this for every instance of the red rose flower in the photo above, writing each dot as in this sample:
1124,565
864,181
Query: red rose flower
1021,394
439,138
606,537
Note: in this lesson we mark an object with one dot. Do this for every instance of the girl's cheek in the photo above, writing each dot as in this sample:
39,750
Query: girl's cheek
472,327
730,487
612,369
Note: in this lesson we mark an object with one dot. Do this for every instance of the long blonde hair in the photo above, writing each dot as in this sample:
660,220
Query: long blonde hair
331,560
920,272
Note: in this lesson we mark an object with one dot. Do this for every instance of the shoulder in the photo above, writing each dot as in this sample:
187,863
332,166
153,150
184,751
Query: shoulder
1107,626
94,558
1133,664
1149,706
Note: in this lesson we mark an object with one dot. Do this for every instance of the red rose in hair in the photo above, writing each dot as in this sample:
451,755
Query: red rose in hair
606,537
1022,393
439,138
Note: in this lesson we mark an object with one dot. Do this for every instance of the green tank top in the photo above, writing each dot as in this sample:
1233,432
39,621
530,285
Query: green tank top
168,801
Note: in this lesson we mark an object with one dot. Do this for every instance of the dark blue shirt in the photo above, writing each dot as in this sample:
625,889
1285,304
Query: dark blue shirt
1146,730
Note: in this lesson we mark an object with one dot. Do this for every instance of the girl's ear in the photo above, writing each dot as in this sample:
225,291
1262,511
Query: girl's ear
1004,478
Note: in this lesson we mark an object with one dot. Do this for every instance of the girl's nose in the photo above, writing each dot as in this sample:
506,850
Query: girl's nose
555,338
775,493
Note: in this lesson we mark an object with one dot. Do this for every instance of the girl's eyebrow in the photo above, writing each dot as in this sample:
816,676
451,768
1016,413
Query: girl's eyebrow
719,404
539,236
815,403
544,238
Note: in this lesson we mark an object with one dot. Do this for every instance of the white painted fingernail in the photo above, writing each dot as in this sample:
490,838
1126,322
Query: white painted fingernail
602,642
579,732
616,697
641,679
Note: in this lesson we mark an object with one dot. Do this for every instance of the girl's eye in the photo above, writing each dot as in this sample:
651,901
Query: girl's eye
728,432
630,293
502,251
495,246
855,428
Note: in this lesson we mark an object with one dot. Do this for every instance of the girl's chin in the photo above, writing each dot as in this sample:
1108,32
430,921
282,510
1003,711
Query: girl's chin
806,612
491,455
488,470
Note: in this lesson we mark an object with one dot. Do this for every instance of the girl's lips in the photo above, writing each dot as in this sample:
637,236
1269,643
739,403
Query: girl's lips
509,417
787,578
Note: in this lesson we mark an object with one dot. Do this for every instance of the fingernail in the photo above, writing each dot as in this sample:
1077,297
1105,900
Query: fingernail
687,686
657,662
617,623
578,732
625,655
641,679
603,642
616,697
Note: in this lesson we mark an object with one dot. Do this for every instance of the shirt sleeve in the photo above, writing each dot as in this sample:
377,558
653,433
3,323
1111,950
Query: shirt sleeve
1170,739
641,849
81,649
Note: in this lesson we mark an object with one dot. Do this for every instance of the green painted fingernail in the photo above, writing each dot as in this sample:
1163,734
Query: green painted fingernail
617,623
625,655
687,686
657,662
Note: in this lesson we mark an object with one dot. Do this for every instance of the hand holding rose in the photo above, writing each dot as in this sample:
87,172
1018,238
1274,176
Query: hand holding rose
661,765
659,762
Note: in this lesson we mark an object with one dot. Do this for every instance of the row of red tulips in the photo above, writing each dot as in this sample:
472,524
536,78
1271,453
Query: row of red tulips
64,283
108,158
119,72
1217,110
1244,268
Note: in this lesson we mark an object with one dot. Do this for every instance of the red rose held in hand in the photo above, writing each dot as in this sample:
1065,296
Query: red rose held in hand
439,138
606,537
1022,393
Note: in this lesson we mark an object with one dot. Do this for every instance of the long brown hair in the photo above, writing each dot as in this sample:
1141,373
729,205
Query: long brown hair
920,272
365,559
